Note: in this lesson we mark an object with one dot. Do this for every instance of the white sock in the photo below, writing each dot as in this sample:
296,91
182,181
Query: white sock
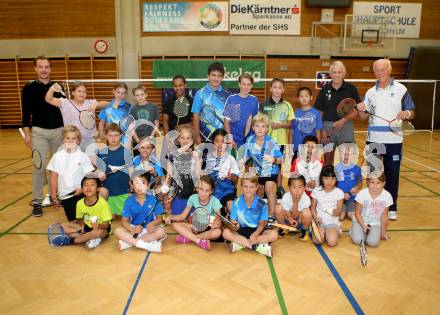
142,244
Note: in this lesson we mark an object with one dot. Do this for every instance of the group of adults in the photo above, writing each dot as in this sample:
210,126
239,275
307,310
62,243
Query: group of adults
43,123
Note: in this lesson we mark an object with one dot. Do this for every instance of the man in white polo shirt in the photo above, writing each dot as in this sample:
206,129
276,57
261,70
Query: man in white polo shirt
388,99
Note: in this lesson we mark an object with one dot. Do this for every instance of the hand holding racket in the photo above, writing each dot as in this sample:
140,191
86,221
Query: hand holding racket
230,225
397,126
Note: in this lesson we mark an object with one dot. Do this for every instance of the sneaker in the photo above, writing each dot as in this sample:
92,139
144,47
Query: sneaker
46,201
264,249
392,215
37,211
93,243
235,247
180,239
204,244
154,246
280,192
60,240
124,245
304,237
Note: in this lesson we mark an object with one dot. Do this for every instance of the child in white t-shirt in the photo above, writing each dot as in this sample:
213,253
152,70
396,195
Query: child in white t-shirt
68,167
371,212
327,206
294,209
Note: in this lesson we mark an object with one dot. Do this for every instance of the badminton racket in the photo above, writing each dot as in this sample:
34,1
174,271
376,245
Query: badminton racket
55,235
144,223
86,117
363,248
210,119
315,231
36,156
344,109
127,124
200,220
181,108
307,122
397,126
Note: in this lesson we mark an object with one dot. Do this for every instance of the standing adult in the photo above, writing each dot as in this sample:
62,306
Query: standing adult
42,125
336,130
388,99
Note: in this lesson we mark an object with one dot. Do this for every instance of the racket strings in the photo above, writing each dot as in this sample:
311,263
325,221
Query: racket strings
233,112
181,106
346,107
87,119
126,122
200,220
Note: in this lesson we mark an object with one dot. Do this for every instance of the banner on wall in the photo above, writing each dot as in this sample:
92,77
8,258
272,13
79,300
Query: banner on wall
167,69
262,17
185,16
402,20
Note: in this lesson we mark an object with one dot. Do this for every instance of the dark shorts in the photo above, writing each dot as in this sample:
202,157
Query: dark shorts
69,206
225,199
246,231
88,229
272,178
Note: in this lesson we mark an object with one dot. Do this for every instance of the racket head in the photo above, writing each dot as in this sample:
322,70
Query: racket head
200,219
227,223
54,232
232,111
400,127
181,107
68,196
307,122
126,122
345,107
315,231
248,126
87,119
36,159
363,252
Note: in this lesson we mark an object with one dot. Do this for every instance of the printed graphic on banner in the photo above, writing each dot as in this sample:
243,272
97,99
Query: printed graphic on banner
261,17
185,16
320,77
167,69
391,19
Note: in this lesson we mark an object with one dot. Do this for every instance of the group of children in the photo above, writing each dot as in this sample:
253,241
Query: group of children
187,175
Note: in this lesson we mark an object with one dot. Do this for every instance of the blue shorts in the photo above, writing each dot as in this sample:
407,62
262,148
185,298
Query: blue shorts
178,205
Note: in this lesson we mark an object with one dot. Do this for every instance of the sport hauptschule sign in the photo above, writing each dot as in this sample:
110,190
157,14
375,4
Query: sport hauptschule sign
185,16
402,20
260,17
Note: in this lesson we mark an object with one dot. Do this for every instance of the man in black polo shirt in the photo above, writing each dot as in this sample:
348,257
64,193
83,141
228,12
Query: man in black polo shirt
46,122
340,129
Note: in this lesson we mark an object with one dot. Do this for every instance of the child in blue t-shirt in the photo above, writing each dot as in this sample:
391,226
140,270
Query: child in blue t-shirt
247,108
266,156
141,218
249,214
308,120
117,182
147,160
349,179
117,108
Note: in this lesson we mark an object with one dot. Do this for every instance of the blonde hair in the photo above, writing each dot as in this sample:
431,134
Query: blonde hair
70,128
260,117
253,180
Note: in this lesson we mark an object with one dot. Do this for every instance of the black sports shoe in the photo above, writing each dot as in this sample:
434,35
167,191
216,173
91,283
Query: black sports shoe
37,211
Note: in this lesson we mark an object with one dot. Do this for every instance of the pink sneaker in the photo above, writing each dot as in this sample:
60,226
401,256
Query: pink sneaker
204,244
180,239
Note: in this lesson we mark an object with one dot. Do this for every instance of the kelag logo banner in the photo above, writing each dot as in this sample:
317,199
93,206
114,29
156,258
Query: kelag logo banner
167,69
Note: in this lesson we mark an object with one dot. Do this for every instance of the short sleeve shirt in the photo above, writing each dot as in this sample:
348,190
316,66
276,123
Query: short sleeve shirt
168,108
256,153
329,98
287,202
327,201
213,205
70,112
372,209
148,112
348,176
269,108
100,210
249,216
298,135
111,114
137,213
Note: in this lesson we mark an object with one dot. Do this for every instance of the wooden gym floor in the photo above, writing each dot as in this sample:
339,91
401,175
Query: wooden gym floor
402,275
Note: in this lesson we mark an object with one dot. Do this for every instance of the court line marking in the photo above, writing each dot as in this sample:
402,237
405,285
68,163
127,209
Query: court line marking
127,305
12,202
16,161
277,286
426,166
356,307
420,185
15,225
16,171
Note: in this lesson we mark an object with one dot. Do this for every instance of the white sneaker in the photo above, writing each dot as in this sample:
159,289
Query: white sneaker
46,201
93,243
124,245
392,215
235,247
264,249
154,247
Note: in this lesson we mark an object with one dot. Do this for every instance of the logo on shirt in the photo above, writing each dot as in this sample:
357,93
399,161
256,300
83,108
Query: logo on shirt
392,94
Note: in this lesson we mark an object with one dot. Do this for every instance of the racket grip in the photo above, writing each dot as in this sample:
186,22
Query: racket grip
135,235
21,132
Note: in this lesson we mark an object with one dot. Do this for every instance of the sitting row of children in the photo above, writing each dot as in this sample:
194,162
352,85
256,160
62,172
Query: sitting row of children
68,167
